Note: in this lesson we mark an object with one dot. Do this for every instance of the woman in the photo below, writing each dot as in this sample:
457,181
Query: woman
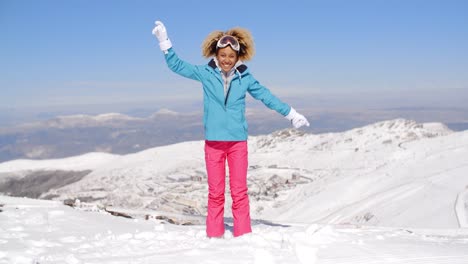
226,80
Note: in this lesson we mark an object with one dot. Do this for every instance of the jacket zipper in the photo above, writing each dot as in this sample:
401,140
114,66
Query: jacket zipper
227,93
238,75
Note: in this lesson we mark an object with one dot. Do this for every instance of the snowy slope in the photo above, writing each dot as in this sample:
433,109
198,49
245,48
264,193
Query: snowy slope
39,231
394,173
88,161
392,192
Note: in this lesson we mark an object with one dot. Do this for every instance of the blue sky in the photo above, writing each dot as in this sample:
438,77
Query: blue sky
102,52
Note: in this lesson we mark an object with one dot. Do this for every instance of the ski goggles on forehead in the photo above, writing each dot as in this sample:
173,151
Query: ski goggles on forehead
228,40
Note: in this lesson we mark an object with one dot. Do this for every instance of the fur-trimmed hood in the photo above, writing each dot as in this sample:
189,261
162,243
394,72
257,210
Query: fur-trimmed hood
247,49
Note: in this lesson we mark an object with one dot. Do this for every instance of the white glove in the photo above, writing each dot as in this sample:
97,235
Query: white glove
297,119
160,32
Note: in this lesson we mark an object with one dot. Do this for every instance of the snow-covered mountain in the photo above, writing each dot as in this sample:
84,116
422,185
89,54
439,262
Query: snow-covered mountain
391,192
72,135
88,120
392,173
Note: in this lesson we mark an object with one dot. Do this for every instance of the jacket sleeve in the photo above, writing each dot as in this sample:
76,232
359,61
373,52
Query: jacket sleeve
182,67
260,92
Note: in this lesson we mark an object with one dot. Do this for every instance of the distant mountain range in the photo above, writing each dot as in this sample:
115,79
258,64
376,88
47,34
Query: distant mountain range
66,136
392,173
71,135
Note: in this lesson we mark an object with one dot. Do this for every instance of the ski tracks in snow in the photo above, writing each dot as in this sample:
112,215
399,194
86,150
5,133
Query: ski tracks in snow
461,208
377,245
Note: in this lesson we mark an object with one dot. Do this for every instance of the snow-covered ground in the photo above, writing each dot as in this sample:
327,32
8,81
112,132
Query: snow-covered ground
391,192
38,231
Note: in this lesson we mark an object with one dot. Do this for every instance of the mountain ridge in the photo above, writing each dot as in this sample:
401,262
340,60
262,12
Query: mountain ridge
293,176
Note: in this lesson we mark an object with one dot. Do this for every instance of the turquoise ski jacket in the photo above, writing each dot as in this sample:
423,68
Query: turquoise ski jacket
224,116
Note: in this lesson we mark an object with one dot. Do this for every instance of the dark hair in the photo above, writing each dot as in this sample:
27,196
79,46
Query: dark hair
246,51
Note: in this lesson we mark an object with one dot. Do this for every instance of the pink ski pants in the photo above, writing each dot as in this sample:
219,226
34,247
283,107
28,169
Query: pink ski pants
236,153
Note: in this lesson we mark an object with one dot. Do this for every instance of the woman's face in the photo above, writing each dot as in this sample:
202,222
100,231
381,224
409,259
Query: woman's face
227,58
